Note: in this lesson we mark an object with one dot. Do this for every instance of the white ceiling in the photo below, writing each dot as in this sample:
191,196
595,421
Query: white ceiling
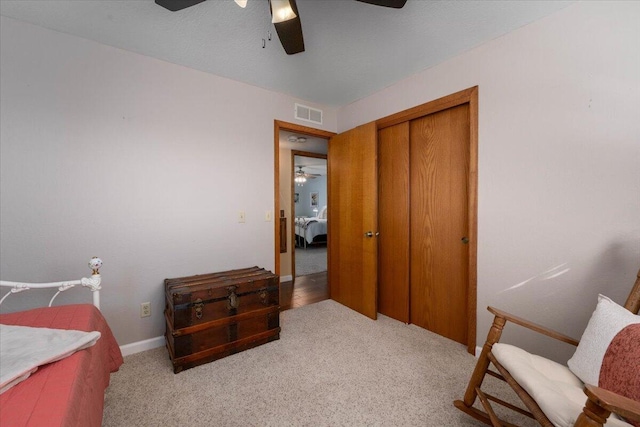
353,49
311,165
311,145
307,143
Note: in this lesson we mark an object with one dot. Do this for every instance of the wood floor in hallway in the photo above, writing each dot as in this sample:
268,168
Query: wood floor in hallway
304,290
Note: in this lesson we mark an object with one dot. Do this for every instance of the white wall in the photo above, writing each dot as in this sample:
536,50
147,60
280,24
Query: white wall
141,162
559,161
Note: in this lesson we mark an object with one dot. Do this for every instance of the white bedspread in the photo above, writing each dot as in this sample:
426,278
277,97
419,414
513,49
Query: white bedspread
23,349
308,228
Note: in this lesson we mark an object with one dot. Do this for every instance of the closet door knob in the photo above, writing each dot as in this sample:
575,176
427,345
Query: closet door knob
368,234
465,240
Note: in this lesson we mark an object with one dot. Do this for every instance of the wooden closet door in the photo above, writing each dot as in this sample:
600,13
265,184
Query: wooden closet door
393,221
439,165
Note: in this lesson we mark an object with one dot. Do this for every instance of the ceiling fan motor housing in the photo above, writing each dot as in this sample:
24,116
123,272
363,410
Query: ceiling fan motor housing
289,31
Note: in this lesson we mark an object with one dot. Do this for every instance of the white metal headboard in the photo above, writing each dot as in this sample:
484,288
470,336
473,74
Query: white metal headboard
92,283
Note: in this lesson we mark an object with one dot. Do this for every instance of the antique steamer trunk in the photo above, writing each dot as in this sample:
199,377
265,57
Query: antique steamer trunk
211,316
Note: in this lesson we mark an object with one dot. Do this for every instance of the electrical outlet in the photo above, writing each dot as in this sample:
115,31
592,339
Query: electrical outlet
241,216
267,216
145,309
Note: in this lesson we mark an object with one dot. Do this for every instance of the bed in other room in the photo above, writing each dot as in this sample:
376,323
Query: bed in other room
311,230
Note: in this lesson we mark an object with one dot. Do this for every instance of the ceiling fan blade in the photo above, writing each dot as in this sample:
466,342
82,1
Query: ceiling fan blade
396,4
290,32
175,5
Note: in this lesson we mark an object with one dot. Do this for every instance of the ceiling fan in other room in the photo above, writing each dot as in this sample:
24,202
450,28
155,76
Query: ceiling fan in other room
301,176
284,16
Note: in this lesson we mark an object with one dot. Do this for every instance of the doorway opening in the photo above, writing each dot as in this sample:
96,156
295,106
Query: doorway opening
310,209
300,196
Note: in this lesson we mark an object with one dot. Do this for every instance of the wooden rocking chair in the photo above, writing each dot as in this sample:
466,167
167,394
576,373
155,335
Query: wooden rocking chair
600,403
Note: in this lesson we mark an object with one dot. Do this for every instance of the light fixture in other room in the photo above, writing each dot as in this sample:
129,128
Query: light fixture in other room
282,11
298,139
300,177
241,3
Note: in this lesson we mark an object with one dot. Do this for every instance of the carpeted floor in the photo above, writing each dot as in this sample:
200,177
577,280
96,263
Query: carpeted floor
331,367
311,260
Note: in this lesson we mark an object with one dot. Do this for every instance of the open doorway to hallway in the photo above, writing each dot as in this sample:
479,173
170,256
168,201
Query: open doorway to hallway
301,198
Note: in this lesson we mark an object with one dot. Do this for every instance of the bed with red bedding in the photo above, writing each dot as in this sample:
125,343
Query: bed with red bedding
69,392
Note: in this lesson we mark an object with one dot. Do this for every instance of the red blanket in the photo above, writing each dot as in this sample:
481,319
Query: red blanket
69,392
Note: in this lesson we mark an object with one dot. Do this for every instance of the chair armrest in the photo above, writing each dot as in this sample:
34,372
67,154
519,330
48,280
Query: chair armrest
612,402
533,326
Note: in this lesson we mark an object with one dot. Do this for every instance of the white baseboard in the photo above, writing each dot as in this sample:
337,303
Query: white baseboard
478,351
137,347
286,278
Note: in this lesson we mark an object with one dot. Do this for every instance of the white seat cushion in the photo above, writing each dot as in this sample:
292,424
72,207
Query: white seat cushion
553,386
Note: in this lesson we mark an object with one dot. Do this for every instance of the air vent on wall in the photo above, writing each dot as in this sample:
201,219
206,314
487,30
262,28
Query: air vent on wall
308,114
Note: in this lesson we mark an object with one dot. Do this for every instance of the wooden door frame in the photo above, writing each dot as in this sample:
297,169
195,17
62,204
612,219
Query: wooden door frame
295,153
466,96
278,126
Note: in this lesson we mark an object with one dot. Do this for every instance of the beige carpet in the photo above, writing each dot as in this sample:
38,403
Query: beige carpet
331,367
